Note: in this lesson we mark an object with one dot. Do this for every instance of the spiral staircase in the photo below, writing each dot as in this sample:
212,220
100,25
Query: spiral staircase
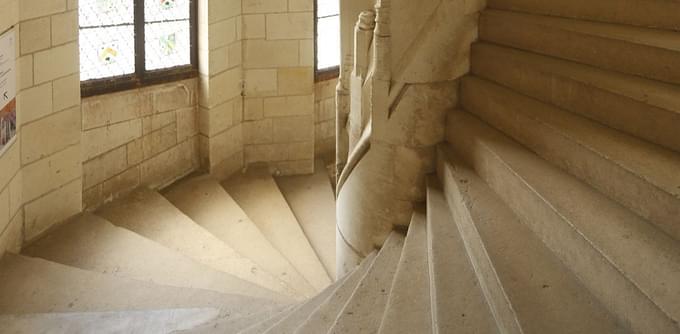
555,209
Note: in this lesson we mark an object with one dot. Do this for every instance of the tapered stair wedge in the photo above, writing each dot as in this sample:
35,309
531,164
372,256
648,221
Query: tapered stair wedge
641,107
232,325
639,175
148,321
321,320
260,327
150,215
205,201
90,242
312,200
32,285
458,302
292,321
363,311
259,196
543,294
408,306
627,263
649,53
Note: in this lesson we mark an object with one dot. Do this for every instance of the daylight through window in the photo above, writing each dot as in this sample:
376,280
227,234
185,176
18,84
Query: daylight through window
327,34
134,39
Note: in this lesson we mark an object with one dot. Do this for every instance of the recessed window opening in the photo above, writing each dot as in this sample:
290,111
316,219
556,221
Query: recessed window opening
327,38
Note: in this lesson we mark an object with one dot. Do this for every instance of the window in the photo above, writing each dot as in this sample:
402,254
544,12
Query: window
327,39
131,43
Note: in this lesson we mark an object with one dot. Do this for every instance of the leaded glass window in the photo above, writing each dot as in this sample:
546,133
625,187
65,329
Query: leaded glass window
127,43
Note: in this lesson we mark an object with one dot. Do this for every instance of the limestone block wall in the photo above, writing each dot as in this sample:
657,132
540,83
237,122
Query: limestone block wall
324,118
221,86
141,137
278,65
41,178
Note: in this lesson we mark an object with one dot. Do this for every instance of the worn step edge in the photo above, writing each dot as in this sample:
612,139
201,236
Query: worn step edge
233,325
321,320
615,163
488,151
260,327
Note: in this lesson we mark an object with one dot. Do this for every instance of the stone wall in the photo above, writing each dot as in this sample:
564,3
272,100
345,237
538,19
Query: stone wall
41,177
141,137
278,63
324,119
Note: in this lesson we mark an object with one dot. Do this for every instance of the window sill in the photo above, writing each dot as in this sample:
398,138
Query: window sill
327,74
118,84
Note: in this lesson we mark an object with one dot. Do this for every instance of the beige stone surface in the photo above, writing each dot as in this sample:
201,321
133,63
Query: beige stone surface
52,208
258,195
290,26
608,256
312,200
148,214
49,135
56,62
205,201
160,321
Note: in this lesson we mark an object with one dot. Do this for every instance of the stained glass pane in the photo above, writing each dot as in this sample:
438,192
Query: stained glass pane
168,44
328,42
327,8
166,10
97,13
106,52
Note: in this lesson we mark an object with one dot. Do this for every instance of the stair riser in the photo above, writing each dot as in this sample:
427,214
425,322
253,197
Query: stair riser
608,53
611,108
477,145
508,112
661,14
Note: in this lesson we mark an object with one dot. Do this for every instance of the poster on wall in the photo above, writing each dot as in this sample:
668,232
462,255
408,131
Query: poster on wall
8,102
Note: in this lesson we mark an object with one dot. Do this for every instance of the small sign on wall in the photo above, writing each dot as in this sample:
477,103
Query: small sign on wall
8,101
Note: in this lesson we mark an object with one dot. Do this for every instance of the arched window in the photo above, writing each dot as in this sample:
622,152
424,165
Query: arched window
131,43
327,39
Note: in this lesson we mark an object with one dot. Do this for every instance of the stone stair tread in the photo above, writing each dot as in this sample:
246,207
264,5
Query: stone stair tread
321,320
147,321
312,200
409,305
644,108
642,176
149,214
233,325
363,311
543,295
292,321
627,263
204,200
458,302
657,13
260,327
258,195
92,243
33,285
650,53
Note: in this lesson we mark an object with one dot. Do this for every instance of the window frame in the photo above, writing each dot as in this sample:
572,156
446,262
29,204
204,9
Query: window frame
141,77
326,73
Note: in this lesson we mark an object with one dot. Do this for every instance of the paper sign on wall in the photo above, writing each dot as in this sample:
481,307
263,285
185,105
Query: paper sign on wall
8,102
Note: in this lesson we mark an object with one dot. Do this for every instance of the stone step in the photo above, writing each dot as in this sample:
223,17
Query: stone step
292,321
33,285
528,284
642,176
409,305
312,200
205,201
90,242
647,13
627,263
259,196
233,325
644,108
458,302
150,321
321,320
260,327
363,311
150,215
649,53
